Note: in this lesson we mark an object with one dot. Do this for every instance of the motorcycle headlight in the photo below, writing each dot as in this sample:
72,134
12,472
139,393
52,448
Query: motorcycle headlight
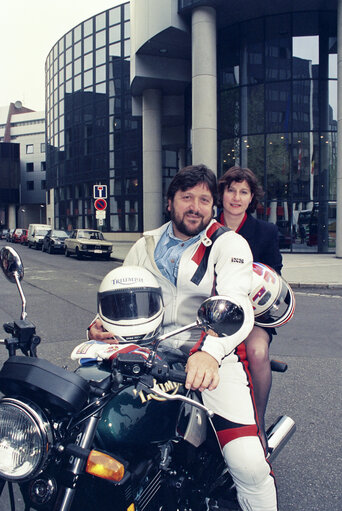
25,439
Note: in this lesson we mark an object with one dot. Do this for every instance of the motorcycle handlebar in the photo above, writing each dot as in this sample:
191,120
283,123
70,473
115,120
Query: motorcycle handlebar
177,376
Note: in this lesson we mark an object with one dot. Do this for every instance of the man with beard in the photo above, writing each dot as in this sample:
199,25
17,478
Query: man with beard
193,257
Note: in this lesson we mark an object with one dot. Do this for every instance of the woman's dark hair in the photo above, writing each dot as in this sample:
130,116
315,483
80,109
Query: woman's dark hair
240,174
190,176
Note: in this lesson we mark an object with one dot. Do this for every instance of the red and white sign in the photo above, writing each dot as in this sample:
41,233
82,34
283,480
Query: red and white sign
100,204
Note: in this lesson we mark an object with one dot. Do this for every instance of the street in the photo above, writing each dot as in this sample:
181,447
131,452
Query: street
61,302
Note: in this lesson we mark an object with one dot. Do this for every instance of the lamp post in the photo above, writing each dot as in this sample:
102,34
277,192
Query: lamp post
23,211
41,213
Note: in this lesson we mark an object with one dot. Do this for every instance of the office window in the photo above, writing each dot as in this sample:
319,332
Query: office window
29,149
43,184
29,167
42,147
43,165
29,185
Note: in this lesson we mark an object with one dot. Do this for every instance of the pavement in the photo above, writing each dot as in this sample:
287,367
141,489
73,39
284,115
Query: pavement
299,270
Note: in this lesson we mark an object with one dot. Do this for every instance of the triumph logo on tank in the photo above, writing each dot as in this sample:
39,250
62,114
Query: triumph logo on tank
170,387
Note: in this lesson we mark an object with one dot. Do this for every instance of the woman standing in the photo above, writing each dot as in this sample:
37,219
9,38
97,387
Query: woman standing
239,193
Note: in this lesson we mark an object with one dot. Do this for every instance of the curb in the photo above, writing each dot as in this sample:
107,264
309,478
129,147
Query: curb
300,285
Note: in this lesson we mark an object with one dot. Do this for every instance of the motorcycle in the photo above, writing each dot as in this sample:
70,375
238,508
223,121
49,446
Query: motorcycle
121,431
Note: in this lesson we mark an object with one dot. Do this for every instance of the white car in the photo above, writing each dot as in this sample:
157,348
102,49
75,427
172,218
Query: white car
87,242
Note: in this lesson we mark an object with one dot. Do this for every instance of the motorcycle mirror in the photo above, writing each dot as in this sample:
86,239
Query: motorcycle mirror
11,264
221,315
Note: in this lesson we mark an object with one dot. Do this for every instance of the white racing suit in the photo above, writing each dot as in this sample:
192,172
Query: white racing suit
222,268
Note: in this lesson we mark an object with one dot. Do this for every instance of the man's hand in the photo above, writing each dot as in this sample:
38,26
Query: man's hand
202,372
98,333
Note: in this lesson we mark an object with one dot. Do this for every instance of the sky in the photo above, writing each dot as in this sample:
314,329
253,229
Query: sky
28,31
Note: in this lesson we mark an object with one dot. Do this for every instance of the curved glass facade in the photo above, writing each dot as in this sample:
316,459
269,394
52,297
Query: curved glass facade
277,110
92,137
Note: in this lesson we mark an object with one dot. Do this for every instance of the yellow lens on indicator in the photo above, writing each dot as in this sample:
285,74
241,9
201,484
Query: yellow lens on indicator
104,466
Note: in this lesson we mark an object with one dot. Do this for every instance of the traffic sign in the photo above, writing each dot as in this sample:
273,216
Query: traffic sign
100,204
100,191
100,215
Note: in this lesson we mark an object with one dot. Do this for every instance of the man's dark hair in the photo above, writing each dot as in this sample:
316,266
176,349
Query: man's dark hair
240,174
190,176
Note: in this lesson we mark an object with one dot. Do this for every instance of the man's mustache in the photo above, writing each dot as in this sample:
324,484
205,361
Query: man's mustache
192,212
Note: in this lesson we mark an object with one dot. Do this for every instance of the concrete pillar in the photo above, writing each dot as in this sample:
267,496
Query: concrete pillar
12,223
152,159
204,88
339,134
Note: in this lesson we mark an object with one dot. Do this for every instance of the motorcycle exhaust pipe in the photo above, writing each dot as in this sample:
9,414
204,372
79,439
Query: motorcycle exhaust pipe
278,435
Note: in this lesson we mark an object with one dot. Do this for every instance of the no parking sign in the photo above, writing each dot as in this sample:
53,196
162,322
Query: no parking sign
100,204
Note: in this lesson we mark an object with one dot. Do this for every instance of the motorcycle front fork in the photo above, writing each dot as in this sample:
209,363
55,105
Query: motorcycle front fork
66,495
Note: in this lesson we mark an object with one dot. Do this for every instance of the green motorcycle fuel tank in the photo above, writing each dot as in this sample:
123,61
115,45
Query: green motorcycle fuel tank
135,418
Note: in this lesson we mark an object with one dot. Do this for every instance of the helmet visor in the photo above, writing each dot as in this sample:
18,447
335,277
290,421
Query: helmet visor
130,304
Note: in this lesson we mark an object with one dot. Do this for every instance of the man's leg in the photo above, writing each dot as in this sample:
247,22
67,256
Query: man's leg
238,433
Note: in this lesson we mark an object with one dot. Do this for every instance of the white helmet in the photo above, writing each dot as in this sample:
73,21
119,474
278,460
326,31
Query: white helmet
130,304
272,298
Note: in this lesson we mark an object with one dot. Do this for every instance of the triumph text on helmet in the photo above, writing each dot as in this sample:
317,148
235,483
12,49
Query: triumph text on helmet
272,298
130,304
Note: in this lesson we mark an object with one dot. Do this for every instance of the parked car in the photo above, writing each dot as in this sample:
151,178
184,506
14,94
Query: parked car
16,235
9,234
23,237
3,234
53,241
87,242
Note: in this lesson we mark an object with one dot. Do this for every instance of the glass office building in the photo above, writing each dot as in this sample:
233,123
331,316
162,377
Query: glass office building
92,137
276,111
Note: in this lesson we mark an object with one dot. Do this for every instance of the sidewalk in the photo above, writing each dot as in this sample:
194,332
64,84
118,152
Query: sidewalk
312,270
299,270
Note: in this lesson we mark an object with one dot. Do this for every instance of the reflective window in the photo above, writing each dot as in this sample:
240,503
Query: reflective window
252,119
88,27
88,61
127,30
100,56
100,74
68,55
305,51
100,21
115,50
115,33
252,52
68,72
68,39
88,78
101,88
88,44
278,107
100,39
77,83
77,66
126,11
282,122
278,48
77,33
114,16
127,48
77,49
